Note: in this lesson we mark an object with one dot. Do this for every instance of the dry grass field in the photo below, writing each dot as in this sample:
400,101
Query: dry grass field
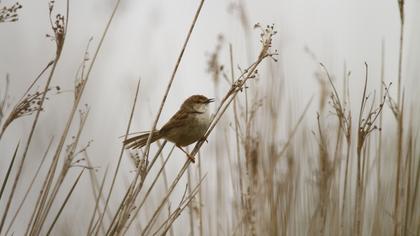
270,163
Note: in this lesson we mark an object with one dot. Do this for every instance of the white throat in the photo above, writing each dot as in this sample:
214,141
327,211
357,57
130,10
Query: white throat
202,108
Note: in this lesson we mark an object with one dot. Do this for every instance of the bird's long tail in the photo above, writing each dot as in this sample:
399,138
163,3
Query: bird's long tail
140,141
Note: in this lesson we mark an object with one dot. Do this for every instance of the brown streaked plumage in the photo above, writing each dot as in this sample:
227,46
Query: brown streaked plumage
187,126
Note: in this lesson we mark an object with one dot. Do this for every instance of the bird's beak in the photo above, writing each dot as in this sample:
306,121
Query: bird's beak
210,100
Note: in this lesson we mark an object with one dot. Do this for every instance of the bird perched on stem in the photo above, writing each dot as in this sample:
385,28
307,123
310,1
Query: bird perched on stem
188,125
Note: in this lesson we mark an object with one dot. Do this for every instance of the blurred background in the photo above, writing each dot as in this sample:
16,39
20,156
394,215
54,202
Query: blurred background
143,43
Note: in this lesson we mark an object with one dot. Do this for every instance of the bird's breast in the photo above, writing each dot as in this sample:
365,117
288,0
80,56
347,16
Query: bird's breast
195,130
201,123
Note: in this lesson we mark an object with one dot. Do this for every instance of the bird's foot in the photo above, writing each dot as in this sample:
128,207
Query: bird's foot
191,158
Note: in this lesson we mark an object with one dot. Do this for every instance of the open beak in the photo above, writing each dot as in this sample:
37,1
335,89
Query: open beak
210,100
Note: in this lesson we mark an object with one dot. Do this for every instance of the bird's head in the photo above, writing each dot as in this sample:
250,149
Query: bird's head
197,103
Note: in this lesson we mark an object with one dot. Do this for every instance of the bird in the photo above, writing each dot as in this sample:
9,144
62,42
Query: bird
186,126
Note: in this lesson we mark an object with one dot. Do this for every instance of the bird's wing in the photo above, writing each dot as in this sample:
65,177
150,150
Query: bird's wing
180,119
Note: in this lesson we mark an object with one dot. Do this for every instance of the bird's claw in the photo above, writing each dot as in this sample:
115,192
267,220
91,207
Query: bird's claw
191,158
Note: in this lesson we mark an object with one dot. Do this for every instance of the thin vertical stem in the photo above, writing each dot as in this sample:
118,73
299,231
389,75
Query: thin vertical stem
65,202
119,158
6,210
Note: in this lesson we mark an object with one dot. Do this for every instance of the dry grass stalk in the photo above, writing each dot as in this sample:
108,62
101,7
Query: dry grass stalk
324,178
149,190
252,165
238,146
407,179
27,105
91,226
69,162
342,111
60,29
216,71
185,201
78,92
276,158
79,89
143,167
365,127
400,113
120,157
29,187
95,184
4,103
200,198
398,190
6,210
377,227
166,184
9,169
65,202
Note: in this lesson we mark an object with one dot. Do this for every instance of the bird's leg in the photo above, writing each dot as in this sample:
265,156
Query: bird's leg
192,159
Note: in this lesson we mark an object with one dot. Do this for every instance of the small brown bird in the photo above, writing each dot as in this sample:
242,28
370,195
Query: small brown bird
188,125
